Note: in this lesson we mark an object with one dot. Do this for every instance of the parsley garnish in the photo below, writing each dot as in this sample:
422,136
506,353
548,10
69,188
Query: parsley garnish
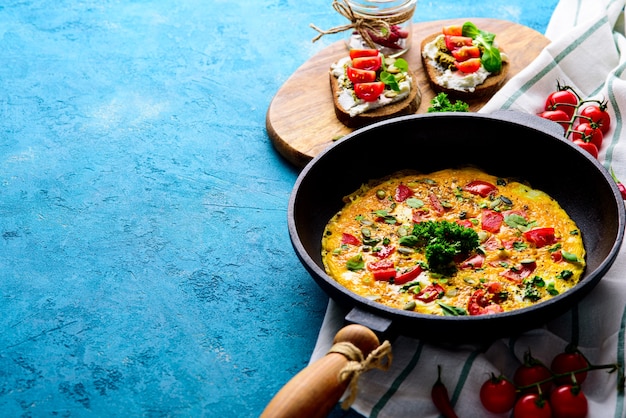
441,242
441,103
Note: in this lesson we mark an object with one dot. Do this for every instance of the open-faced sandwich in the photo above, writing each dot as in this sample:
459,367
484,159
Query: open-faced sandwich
368,87
464,62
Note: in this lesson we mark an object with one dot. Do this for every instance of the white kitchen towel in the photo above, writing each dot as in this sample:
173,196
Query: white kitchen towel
587,40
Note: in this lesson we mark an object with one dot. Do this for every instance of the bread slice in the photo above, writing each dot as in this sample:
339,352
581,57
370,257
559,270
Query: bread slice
406,106
485,90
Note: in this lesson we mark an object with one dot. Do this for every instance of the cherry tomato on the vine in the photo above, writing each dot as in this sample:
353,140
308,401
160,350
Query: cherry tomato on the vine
596,114
531,373
587,132
568,401
567,362
498,395
562,99
558,116
532,405
587,146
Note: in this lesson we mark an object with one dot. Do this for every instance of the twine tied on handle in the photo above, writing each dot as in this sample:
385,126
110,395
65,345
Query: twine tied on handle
379,358
364,25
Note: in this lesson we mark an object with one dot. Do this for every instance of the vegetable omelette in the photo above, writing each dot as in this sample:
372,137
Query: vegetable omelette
453,242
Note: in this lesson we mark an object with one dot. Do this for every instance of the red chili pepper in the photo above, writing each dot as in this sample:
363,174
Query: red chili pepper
439,395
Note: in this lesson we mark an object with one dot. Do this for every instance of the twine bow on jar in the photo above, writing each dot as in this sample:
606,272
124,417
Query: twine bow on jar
364,25
380,358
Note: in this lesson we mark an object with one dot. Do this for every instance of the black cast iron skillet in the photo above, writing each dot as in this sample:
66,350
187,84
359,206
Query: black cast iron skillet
505,144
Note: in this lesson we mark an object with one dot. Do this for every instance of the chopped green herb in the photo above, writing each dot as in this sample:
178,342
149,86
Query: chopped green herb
355,263
565,274
520,246
449,310
441,103
551,289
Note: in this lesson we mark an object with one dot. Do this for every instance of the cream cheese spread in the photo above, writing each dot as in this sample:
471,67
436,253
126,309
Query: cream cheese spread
455,80
348,100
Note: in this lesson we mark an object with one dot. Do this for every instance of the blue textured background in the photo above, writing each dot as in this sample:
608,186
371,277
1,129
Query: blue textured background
145,263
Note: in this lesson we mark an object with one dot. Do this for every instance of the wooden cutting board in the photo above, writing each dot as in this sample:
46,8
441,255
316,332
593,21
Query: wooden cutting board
301,118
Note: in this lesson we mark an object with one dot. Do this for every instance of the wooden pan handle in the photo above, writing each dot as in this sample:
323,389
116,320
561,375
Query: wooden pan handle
315,390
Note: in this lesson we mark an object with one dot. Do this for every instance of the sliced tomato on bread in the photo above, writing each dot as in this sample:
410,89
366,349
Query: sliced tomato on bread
367,63
356,53
357,75
468,66
369,91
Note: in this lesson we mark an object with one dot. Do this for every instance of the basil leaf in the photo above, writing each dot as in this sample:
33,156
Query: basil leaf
491,58
401,64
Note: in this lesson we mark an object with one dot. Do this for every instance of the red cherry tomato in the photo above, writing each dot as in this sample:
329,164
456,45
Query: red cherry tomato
408,276
567,362
367,63
483,303
430,293
402,193
350,239
568,401
357,75
468,66
382,270
596,114
588,146
466,52
530,374
557,116
480,187
356,53
491,221
540,236
497,395
453,42
532,406
369,91
564,100
453,30
588,133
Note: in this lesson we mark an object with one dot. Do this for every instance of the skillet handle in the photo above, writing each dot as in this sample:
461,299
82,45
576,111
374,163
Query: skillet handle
315,390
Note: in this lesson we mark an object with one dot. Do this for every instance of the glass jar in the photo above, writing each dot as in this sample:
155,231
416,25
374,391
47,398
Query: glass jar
372,16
